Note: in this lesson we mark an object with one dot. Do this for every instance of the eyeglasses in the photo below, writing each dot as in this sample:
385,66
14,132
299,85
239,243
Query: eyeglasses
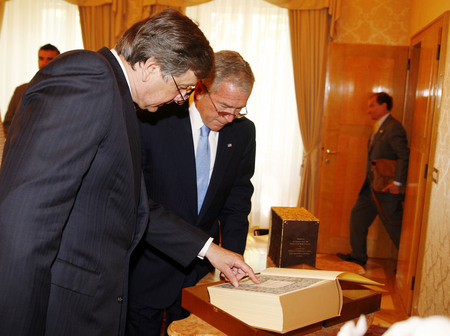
184,97
240,112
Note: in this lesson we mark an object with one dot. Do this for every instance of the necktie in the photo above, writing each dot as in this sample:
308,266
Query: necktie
374,131
202,163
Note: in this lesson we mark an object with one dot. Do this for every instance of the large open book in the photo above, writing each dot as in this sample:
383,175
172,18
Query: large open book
286,299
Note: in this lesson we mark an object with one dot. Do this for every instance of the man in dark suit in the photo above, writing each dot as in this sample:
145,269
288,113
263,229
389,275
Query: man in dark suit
73,204
387,141
170,139
46,54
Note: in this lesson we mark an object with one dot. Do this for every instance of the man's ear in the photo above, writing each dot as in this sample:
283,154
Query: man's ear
200,88
149,68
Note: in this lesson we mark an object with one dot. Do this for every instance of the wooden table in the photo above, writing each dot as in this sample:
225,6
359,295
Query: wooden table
210,320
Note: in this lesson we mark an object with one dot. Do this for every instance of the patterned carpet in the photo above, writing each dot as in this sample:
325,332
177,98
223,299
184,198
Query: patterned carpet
375,330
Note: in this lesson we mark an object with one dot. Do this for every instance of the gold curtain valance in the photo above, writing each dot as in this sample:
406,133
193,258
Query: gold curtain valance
175,3
115,3
304,4
103,21
86,3
334,8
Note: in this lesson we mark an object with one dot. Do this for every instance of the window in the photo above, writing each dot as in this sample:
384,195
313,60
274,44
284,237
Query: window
259,31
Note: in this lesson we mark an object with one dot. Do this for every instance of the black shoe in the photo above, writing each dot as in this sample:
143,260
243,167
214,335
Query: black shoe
348,257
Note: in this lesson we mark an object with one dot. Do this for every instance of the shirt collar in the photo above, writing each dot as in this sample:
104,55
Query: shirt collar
194,114
382,119
116,55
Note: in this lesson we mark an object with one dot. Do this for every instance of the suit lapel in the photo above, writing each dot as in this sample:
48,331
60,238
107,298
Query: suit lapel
179,137
380,132
129,115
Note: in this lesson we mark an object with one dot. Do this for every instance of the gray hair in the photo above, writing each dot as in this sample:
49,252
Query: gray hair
230,66
174,40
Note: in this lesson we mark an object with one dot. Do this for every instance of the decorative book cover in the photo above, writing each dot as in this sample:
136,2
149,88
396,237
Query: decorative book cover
293,237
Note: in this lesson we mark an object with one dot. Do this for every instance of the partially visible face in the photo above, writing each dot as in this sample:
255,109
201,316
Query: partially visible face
45,56
375,110
154,91
227,98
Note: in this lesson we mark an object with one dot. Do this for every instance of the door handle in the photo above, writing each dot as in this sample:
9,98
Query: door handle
327,152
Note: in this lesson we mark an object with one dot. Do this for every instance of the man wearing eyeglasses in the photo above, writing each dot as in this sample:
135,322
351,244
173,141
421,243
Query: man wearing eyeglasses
171,146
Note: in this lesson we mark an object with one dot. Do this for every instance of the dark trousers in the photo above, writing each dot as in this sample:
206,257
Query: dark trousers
143,320
146,321
363,214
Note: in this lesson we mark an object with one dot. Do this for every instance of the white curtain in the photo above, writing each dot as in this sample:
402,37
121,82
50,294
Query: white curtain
259,31
27,25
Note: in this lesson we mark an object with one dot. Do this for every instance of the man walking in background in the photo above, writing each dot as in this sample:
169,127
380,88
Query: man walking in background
387,141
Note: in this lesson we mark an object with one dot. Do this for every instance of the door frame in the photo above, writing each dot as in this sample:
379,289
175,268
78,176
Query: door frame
418,250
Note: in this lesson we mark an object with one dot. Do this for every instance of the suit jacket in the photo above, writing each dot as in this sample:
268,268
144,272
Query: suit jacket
13,106
390,142
169,172
73,204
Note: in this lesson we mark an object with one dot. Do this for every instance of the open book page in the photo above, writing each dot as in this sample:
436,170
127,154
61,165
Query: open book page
352,277
319,274
270,284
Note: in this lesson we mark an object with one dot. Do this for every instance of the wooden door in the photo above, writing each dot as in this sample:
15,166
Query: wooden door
354,72
423,94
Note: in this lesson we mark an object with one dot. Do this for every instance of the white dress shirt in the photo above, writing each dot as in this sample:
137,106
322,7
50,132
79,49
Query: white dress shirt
196,125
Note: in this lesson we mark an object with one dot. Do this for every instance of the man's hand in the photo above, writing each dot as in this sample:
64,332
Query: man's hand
392,188
231,264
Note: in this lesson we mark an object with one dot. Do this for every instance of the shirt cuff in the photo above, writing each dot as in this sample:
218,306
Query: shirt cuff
397,183
205,248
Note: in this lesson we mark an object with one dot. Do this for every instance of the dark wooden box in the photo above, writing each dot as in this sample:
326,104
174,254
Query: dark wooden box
293,237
